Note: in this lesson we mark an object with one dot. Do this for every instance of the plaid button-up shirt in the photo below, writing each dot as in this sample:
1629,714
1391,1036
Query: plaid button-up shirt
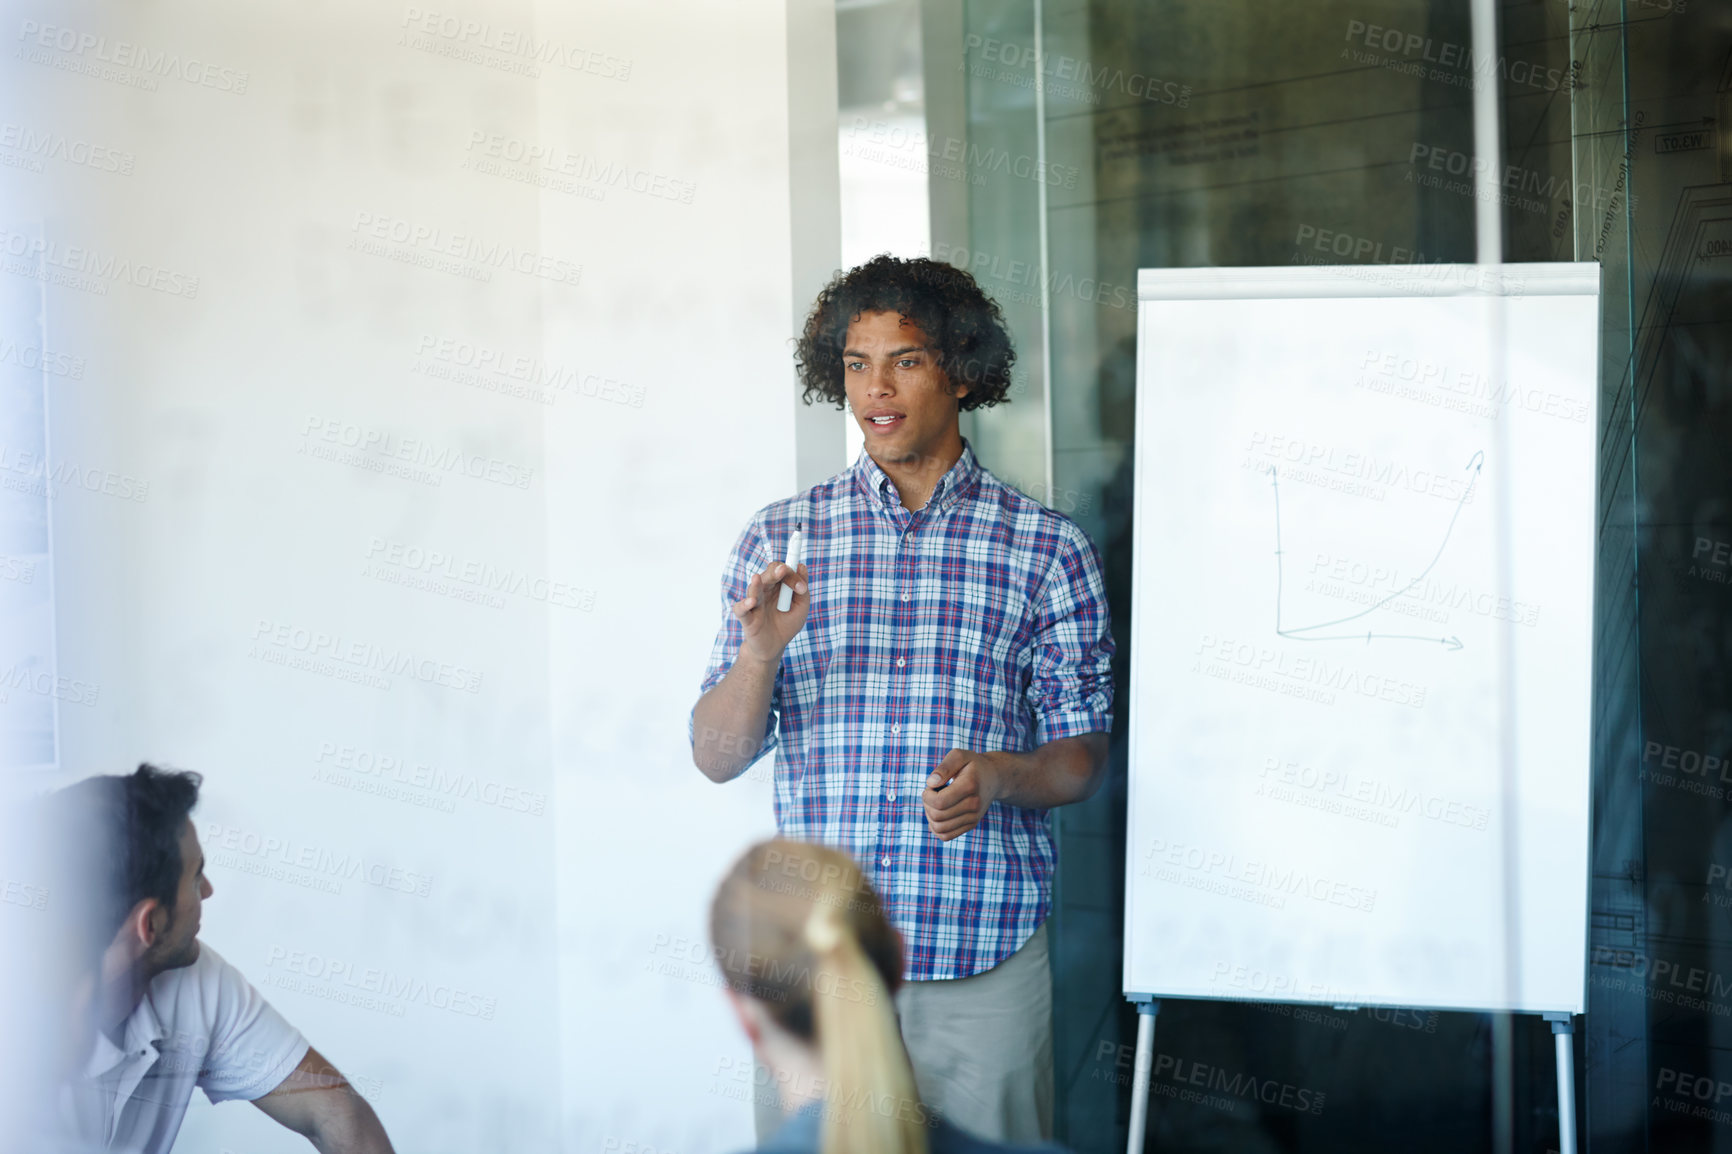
979,623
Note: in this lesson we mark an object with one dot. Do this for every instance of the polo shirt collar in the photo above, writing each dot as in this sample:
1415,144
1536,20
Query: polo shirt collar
955,483
141,1036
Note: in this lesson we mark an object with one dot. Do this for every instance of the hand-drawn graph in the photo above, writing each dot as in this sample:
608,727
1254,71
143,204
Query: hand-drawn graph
1309,632
1242,740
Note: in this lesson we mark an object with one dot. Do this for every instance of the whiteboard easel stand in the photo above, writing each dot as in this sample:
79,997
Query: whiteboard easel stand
1147,1008
1563,1033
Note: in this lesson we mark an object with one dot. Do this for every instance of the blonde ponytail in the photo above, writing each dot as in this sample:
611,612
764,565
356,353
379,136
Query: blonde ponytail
870,1100
799,929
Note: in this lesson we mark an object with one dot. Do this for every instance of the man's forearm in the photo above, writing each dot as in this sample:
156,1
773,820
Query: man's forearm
729,721
318,1103
349,1126
1061,772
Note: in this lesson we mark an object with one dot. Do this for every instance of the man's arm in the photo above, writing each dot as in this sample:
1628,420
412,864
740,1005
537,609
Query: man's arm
1070,695
317,1102
729,720
1065,770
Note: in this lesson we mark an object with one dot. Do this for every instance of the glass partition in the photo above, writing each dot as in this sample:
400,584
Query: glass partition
1191,134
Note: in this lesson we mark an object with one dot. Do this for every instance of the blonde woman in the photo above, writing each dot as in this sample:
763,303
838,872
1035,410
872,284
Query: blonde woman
811,966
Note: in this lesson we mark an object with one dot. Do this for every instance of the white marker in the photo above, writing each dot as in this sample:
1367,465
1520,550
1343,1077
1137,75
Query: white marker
796,545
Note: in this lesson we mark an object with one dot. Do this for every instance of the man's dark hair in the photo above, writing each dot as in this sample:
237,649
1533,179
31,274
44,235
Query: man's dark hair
124,834
964,324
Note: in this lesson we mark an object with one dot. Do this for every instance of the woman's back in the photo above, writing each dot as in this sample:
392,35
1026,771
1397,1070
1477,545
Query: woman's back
802,1135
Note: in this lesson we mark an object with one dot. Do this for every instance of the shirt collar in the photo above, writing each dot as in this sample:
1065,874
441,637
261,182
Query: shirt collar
140,1035
959,480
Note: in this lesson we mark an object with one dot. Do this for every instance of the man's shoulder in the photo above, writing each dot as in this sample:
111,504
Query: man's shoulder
187,998
1027,518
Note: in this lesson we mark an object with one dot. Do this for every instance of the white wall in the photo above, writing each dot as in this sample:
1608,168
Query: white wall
489,933
695,302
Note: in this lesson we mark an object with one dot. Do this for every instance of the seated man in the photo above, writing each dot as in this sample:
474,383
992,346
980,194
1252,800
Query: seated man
158,1013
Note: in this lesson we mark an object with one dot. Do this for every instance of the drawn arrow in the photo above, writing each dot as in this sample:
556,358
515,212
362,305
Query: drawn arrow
1452,642
1298,633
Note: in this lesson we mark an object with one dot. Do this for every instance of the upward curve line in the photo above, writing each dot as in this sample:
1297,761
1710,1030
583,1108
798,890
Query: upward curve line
1309,632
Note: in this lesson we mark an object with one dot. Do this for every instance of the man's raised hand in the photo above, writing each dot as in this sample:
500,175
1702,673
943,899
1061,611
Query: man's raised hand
767,629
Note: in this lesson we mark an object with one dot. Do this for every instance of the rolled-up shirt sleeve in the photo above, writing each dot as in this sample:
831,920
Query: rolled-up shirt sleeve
252,1047
750,556
1070,686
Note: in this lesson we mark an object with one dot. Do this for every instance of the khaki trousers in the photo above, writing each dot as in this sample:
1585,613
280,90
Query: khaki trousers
981,1048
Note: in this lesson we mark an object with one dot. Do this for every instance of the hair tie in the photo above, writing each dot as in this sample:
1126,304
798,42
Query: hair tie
823,930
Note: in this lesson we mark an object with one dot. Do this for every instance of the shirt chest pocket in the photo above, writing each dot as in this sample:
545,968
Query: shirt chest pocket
983,598
977,640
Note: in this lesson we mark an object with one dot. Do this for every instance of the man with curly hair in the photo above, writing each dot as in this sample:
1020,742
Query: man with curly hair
941,680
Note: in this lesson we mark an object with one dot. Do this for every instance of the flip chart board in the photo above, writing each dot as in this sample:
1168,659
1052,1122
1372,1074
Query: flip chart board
1363,583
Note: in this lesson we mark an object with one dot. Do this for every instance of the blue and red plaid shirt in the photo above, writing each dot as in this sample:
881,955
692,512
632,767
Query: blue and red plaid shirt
979,623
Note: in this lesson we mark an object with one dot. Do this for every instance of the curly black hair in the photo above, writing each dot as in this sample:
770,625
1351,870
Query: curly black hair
963,323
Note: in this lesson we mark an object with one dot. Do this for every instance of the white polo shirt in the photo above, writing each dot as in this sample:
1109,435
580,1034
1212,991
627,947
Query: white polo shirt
201,1025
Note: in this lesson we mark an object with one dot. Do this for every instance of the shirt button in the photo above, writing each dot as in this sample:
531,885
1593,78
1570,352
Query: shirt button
885,860
901,661
889,797
905,597
895,729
